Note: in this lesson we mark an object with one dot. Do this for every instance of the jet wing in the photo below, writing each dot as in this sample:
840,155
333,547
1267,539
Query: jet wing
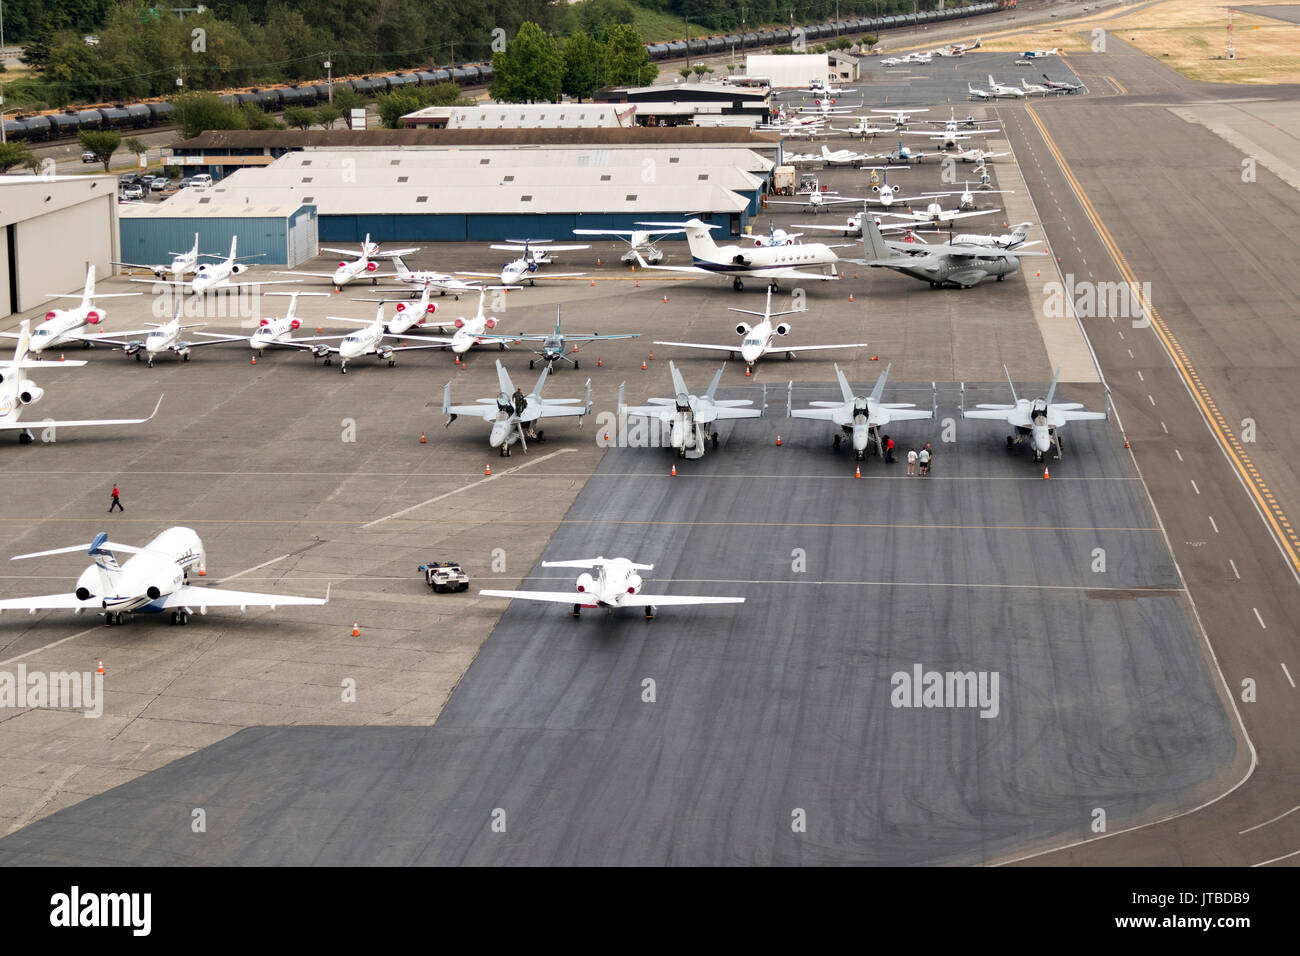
665,600
662,412
393,253
815,348
556,410
697,345
45,602
553,597
205,597
1059,416
317,275
341,252
787,273
82,422
212,338
485,411
819,414
913,414
594,337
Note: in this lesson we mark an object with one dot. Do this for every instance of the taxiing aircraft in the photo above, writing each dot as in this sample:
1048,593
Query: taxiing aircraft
553,343
860,418
949,264
154,579
536,252
514,415
1036,420
688,417
361,266
1009,240
615,585
638,241
738,264
63,327
18,392
758,340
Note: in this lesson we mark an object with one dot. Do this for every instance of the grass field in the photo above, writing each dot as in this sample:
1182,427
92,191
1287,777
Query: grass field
1188,36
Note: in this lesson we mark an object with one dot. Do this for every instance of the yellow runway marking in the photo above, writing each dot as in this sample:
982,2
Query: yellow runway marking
1227,440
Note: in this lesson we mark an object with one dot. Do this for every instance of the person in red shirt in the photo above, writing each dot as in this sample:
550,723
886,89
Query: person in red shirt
117,502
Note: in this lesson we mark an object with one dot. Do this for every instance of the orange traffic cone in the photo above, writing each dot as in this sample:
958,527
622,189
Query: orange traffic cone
457,359
778,441
319,330
674,474
599,362
423,440
652,356
593,281
665,298
356,631
597,263
857,472
850,296
606,435
203,569
1125,441
254,360
99,669
643,366
62,358
875,358
746,371
1046,474
638,283
487,471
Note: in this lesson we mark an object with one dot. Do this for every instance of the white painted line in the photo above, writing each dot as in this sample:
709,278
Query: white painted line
50,645
1233,564
1140,378
1117,331
1151,400
1212,524
1194,488
1287,673
1130,353
1284,856
472,484
1260,619
1179,454
1164,428
256,567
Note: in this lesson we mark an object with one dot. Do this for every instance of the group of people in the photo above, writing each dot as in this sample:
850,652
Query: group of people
918,462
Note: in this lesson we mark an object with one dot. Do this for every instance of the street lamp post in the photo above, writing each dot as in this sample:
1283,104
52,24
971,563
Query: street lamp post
329,78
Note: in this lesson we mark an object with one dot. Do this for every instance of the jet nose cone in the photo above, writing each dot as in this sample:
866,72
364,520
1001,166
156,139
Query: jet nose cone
751,354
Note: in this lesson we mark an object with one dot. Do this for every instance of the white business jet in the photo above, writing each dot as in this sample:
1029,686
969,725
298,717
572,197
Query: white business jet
367,340
737,263
615,585
154,579
182,264
63,327
363,264
215,276
758,340
166,337
280,331
18,393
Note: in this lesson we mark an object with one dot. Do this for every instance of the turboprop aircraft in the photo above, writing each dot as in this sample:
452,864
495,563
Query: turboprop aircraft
553,343
615,585
536,252
967,201
154,579
863,129
166,337
859,418
737,263
900,117
902,154
419,280
271,332
367,340
963,266
513,414
1061,86
1034,54
362,265
638,241
976,155
182,263
758,339
936,215
687,417
1030,88
62,327
842,157
18,393
1036,420
215,276
953,125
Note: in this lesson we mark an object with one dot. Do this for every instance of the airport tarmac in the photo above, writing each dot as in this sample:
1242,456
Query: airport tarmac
1113,697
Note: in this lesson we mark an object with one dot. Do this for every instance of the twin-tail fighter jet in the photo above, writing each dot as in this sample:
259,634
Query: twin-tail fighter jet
514,415
686,417
859,417
1036,420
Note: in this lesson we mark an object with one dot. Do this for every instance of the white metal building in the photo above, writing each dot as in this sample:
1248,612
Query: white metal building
522,116
791,71
54,226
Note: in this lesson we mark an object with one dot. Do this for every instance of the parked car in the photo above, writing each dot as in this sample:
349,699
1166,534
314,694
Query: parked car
88,157
127,179
134,191
159,184
186,181
146,180
201,181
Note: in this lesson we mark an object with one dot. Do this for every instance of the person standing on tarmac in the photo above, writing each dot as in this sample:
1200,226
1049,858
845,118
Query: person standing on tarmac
117,501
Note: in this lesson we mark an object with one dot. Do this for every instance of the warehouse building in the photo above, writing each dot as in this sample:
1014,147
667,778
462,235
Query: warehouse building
521,116
54,226
274,234
494,194
791,71
694,104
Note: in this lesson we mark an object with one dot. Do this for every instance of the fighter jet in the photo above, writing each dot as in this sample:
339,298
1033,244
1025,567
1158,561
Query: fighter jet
1036,420
687,417
615,585
553,343
949,264
859,418
155,579
512,414
758,340
18,393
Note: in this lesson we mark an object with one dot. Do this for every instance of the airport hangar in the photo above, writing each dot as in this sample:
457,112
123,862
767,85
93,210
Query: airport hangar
274,234
609,179
75,215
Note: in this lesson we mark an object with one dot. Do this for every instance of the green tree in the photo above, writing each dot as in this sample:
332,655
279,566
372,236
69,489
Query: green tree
629,63
135,146
197,112
393,106
300,117
529,69
443,94
584,65
347,99
699,69
102,143
328,113
16,154
686,73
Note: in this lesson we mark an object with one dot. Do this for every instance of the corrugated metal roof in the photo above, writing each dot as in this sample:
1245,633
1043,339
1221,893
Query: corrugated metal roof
523,116
625,136
442,198
183,205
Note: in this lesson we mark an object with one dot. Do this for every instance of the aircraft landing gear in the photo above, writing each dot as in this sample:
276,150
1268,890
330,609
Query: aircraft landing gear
342,368
835,442
1001,277
392,362
650,611
151,361
576,366
530,363
114,619
862,456
180,618
773,286
25,437
713,439
577,610
738,284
